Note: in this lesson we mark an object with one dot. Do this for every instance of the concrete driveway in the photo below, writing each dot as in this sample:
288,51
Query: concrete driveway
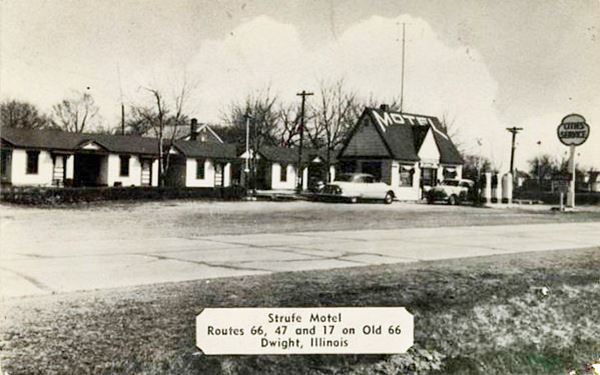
34,266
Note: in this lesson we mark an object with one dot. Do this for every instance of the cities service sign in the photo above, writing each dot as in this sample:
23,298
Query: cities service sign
573,130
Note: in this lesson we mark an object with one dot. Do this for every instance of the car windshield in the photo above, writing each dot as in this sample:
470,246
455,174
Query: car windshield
346,177
450,183
351,177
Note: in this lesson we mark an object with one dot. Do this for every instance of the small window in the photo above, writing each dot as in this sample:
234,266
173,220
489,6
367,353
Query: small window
124,165
283,173
369,179
200,169
32,162
406,176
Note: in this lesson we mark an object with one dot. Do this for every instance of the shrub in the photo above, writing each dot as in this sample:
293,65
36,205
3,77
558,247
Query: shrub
52,196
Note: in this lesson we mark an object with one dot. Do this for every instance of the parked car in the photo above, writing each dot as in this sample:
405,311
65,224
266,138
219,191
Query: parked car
451,191
353,187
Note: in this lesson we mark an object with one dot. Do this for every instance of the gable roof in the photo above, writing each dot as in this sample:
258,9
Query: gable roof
194,149
404,133
279,154
206,129
449,154
65,141
42,139
127,144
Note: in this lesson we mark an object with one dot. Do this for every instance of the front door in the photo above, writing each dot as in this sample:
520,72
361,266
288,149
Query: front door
218,175
146,172
59,170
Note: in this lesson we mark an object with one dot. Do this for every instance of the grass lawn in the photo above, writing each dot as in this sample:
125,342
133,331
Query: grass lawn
472,316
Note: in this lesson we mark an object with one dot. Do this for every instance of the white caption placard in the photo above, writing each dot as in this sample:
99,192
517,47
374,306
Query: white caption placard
322,330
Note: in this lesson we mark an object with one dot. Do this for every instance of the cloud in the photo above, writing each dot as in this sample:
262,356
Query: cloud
440,80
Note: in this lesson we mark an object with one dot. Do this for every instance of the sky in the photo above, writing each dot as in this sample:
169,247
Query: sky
481,65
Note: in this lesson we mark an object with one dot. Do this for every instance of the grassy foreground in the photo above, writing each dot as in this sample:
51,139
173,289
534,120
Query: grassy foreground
472,316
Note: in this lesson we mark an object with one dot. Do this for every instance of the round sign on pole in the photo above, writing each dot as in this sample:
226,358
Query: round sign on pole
573,130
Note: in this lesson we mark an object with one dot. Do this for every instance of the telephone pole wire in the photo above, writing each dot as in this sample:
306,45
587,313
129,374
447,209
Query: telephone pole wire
300,174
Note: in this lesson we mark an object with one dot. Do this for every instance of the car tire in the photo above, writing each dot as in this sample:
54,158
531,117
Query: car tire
452,201
353,200
389,198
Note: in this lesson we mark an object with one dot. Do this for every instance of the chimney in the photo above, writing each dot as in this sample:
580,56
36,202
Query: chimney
194,130
384,107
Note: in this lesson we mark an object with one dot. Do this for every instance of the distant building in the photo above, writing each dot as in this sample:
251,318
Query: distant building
410,152
277,167
200,164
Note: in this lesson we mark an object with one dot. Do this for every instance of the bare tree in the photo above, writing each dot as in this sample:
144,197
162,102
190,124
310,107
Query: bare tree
332,117
265,119
288,130
164,119
19,114
76,114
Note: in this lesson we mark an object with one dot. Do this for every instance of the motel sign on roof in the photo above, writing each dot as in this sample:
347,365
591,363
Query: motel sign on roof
394,118
386,119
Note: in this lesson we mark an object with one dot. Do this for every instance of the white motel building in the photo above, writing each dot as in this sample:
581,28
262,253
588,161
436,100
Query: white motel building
408,151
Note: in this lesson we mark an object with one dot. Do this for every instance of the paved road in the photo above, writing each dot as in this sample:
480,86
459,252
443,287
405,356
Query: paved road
29,267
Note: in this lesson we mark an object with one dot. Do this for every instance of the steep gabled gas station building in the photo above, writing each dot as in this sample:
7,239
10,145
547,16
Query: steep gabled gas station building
410,152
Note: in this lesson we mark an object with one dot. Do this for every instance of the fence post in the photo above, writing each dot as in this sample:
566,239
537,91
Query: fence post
507,187
487,192
498,188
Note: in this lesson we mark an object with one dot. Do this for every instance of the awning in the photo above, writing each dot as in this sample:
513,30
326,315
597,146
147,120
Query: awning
408,167
449,169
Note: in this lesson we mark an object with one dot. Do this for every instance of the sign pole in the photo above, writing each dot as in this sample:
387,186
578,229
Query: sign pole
573,131
571,197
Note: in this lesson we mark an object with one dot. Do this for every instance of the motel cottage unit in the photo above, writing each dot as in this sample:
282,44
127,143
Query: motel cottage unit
200,164
409,152
55,158
277,167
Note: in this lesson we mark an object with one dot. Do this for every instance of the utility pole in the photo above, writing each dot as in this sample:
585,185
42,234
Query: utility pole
300,173
247,117
514,130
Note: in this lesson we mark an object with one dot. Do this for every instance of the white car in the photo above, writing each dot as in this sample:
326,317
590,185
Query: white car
451,191
353,187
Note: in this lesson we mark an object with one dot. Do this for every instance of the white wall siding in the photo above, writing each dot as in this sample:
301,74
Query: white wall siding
18,169
405,193
70,165
190,174
276,183
134,178
227,175
155,173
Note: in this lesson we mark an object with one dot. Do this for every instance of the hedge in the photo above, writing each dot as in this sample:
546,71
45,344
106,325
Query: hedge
581,198
55,195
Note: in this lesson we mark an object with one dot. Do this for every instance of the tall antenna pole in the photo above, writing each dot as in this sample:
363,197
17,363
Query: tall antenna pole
403,57
122,105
